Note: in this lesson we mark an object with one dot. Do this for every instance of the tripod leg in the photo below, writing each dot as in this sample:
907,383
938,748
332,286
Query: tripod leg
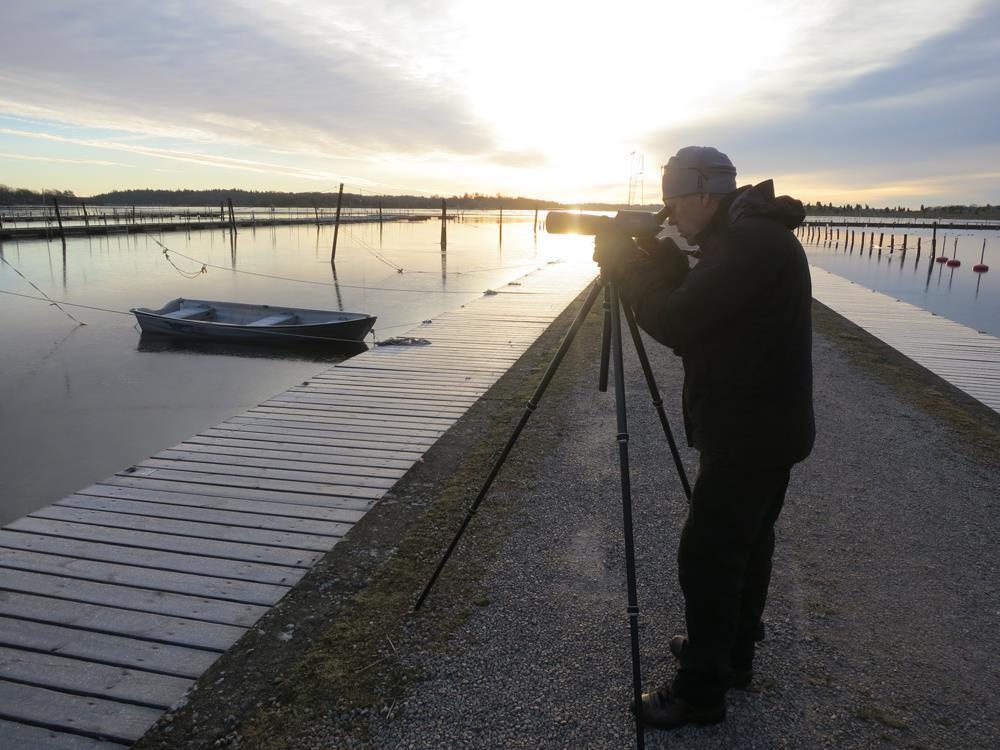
531,406
633,599
654,392
602,383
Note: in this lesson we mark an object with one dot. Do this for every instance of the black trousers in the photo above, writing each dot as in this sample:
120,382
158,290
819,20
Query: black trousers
724,563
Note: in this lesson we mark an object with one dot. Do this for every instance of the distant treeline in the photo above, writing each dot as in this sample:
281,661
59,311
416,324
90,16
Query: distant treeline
20,197
973,211
469,201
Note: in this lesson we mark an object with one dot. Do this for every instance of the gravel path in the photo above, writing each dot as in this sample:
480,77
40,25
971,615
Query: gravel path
884,617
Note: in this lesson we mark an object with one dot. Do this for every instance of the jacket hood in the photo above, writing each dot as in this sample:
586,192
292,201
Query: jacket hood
759,201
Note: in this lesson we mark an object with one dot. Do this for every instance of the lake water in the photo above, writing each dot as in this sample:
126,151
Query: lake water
82,402
959,294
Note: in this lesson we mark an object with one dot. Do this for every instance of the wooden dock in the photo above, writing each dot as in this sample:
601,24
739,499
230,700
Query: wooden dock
965,357
114,600
93,228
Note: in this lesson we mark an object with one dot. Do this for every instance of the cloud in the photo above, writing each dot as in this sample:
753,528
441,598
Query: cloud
58,160
924,121
452,96
228,72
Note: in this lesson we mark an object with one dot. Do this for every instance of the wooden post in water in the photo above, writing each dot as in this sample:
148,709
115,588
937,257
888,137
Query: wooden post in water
86,219
536,220
861,247
933,242
871,243
444,225
903,248
501,225
232,217
918,247
881,238
222,212
336,224
380,213
892,243
62,232
316,211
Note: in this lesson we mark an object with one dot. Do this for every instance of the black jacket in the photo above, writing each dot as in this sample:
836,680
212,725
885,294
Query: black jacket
741,321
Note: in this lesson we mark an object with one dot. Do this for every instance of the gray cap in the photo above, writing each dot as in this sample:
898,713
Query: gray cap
698,169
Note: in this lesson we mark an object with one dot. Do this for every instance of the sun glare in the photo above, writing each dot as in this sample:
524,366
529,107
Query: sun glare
565,81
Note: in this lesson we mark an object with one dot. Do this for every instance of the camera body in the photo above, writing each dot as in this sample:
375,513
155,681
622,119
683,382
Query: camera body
633,223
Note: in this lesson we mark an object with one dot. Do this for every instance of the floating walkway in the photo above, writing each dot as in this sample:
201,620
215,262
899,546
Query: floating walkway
93,227
114,600
965,357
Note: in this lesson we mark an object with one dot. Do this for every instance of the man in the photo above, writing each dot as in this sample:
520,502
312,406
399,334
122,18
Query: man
740,320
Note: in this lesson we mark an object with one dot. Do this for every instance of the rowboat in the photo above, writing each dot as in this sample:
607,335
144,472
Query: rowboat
237,321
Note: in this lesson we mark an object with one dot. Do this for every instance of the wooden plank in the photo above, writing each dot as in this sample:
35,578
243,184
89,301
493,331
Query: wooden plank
354,425
416,375
190,529
228,589
238,519
257,483
145,626
250,505
27,737
310,440
351,506
410,363
253,553
380,377
146,558
129,597
408,410
332,415
374,447
330,476
113,650
390,435
261,456
89,678
402,391
276,460
360,457
118,722
408,421
395,402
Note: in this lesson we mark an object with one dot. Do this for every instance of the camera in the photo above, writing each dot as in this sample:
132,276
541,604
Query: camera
632,223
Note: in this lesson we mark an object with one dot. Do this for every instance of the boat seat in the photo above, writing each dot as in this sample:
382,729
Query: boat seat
278,319
190,313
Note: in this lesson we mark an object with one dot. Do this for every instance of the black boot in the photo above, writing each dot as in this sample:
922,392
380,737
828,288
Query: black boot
664,710
741,678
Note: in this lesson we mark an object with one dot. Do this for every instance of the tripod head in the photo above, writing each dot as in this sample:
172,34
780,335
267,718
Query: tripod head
633,223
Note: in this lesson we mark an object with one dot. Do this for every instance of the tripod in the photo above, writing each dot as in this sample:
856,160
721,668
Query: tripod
611,344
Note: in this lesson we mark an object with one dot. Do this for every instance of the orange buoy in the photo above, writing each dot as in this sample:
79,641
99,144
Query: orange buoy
981,267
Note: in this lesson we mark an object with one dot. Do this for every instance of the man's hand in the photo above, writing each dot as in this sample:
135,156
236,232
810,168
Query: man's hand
615,252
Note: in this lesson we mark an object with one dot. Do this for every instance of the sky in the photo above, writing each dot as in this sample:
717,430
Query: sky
881,103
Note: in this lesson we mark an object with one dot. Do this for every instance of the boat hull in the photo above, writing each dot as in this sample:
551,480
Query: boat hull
232,323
